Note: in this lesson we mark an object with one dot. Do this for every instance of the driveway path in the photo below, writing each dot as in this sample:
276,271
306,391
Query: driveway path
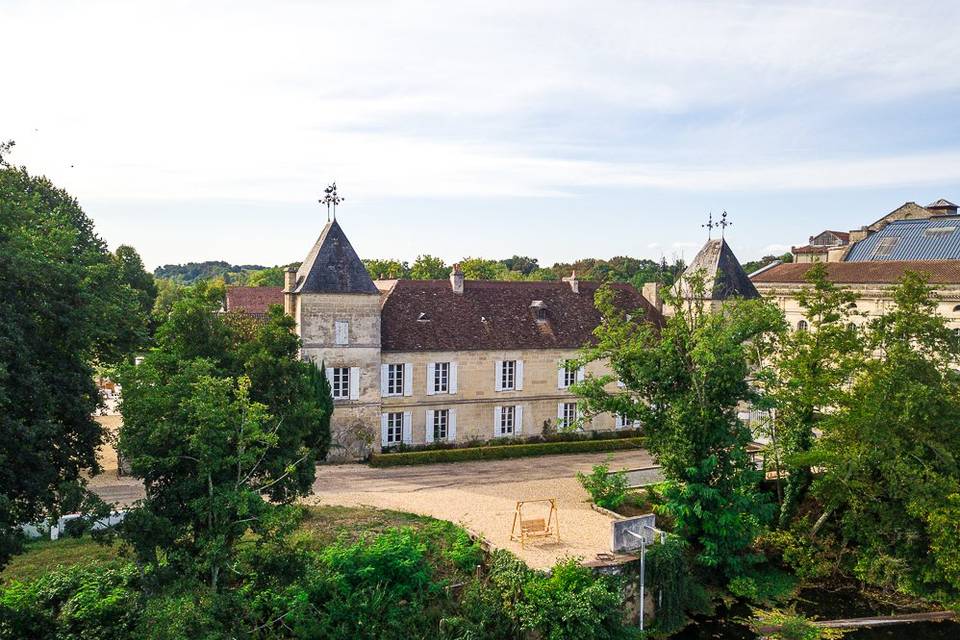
482,497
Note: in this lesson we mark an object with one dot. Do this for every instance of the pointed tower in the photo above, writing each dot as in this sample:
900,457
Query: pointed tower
723,276
336,307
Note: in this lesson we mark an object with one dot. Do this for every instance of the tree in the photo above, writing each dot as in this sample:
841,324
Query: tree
890,451
133,274
810,374
64,307
224,425
387,269
482,269
269,277
684,383
427,267
524,265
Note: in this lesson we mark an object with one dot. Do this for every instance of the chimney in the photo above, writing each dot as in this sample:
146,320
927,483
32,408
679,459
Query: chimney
289,284
651,291
574,284
456,278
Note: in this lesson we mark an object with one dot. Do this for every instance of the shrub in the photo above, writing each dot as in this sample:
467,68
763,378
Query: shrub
789,625
669,574
503,452
607,490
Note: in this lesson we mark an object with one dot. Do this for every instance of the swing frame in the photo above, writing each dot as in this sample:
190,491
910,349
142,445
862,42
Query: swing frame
526,529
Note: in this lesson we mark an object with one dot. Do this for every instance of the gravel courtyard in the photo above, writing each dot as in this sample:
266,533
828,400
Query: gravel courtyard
481,496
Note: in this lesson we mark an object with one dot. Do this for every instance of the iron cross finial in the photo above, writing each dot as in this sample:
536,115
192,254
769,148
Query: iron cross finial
724,223
331,199
709,226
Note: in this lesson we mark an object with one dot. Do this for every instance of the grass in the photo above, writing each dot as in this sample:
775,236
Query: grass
321,527
42,556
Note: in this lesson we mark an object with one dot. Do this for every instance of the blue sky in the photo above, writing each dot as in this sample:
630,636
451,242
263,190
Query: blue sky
552,129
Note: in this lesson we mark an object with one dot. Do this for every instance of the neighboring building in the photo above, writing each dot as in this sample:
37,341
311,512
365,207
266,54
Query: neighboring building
871,281
420,361
820,247
254,301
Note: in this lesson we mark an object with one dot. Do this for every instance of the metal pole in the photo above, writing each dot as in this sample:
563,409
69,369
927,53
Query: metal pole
643,577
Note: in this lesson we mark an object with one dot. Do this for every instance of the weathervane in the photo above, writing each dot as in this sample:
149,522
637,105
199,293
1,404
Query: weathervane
330,198
709,226
724,224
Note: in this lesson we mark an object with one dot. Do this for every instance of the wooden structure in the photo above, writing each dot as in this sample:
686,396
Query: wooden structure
526,528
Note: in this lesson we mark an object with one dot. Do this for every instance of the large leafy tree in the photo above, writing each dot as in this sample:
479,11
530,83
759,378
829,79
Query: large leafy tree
891,448
809,374
684,382
133,274
427,267
65,306
224,424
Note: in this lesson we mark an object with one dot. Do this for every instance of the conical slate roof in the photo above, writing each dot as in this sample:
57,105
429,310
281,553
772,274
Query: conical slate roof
723,276
332,266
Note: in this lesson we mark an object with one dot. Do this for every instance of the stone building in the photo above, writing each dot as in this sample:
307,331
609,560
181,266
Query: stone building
417,362
723,277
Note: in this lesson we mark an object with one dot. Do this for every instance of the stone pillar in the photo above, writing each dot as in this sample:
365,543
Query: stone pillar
289,284
651,291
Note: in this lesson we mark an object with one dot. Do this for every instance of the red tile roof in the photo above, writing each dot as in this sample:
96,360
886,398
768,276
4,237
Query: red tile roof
253,300
883,272
426,315
811,248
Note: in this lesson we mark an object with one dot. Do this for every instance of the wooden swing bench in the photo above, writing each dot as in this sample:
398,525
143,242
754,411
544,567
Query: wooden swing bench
526,529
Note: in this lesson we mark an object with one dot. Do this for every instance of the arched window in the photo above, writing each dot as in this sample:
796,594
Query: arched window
956,308
802,325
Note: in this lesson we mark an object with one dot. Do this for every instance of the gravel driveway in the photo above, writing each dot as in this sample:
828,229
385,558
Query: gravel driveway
481,496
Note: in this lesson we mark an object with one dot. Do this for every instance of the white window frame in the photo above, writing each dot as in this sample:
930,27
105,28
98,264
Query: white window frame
340,383
508,375
567,375
396,379
623,423
438,377
564,420
391,428
341,332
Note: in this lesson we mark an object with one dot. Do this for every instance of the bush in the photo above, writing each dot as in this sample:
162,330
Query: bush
503,452
551,436
608,490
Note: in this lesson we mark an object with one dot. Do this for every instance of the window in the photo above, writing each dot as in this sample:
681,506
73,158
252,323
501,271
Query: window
885,246
441,424
931,232
508,375
340,383
802,325
568,375
393,429
956,308
541,314
441,377
507,420
394,379
623,421
341,332
567,415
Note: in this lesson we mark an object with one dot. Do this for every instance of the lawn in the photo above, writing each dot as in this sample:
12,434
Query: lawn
322,525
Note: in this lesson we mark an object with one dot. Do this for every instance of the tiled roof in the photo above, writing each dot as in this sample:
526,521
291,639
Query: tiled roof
942,203
724,277
253,300
426,315
884,272
935,238
332,266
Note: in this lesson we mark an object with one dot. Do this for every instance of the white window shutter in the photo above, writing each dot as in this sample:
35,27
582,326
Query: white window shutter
498,375
497,413
452,426
561,372
452,381
383,429
620,385
581,372
408,379
429,433
559,412
519,380
330,376
354,383
518,420
618,421
431,376
407,431
384,378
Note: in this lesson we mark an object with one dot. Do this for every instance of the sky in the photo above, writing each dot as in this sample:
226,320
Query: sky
208,130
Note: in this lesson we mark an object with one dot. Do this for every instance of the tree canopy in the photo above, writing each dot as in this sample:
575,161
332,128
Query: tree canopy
66,305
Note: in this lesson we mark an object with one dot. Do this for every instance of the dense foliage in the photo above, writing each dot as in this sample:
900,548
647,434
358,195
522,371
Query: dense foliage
396,584
220,415
505,451
66,305
684,383
607,490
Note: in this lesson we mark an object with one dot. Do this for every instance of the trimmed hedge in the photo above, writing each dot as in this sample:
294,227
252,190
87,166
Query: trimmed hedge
503,452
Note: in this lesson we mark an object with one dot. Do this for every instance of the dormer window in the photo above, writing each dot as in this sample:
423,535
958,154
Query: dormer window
423,317
539,310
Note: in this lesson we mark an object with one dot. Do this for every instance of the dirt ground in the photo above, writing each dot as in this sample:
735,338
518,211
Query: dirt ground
481,496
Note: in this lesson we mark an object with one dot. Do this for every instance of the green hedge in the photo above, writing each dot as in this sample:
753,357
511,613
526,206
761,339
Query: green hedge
503,452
